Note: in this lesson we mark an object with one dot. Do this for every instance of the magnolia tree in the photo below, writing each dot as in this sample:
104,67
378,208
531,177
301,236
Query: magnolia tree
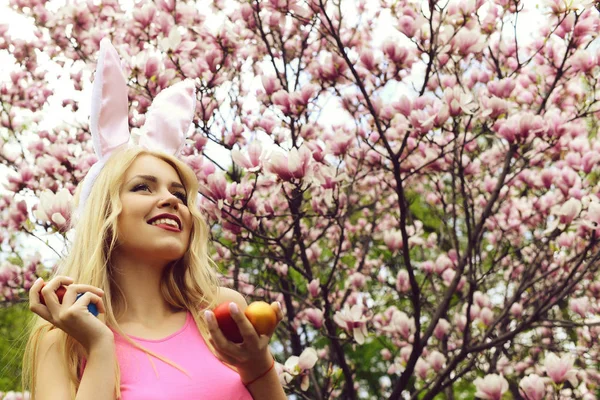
416,182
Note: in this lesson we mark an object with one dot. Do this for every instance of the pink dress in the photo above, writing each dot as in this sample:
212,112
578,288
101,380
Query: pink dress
209,378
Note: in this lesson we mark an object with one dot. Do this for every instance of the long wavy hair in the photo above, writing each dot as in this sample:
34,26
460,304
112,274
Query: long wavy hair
189,283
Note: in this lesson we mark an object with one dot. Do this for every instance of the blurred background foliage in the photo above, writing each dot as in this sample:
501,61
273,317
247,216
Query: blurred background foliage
13,336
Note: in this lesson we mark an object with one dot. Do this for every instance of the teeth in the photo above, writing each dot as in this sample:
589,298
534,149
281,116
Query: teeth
166,221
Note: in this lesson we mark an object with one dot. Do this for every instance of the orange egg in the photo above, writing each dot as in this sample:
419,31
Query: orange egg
262,316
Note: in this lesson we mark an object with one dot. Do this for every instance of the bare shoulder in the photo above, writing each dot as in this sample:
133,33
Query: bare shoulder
227,294
49,342
52,376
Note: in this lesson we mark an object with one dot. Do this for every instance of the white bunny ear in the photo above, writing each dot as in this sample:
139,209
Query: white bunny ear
109,119
169,118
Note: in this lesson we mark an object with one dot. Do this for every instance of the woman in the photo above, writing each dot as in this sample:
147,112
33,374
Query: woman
140,255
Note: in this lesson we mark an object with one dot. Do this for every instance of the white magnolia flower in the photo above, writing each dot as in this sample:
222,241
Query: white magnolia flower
298,366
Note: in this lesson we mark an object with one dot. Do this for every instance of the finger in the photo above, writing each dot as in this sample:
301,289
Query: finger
49,292
216,335
34,292
89,297
75,289
34,301
246,329
276,306
42,311
58,281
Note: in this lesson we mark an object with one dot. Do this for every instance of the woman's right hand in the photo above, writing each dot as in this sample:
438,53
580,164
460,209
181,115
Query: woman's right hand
72,316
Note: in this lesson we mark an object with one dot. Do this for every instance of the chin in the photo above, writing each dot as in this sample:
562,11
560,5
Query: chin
167,253
171,254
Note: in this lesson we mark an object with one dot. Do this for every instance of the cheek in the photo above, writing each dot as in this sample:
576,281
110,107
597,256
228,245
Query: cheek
189,223
125,223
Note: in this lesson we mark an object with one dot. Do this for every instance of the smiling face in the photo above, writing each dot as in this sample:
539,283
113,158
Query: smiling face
155,222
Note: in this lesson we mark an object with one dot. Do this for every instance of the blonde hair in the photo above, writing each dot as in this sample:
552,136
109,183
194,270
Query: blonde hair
189,283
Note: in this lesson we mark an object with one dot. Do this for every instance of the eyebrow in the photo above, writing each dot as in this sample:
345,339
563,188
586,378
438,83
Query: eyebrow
152,178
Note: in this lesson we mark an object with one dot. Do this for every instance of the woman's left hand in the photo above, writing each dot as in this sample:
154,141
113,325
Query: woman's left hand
252,356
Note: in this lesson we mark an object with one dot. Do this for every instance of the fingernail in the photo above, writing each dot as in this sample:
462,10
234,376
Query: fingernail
279,304
38,280
208,316
233,308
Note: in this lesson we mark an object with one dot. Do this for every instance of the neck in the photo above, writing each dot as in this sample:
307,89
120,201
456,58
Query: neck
139,281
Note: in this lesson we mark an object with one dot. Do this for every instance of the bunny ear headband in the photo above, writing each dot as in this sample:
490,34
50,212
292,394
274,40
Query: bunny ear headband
167,120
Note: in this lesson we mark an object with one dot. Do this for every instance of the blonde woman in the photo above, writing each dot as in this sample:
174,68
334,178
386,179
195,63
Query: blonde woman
140,256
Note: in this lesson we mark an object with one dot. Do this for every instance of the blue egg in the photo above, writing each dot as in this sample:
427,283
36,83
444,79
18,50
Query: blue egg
91,307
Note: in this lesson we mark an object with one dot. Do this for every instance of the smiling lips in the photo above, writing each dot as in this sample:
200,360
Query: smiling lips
166,221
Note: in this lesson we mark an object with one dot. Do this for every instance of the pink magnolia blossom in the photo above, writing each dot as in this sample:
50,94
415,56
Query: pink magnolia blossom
55,208
494,106
252,161
486,315
532,387
491,387
17,214
368,60
448,276
516,309
314,288
151,68
217,186
281,98
306,93
437,360
314,316
144,15
427,266
580,306
561,369
270,84
357,280
457,101
589,161
422,368
441,329
592,219
442,263
402,281
294,165
520,127
354,321
393,240
401,56
408,25
401,324
468,41
569,210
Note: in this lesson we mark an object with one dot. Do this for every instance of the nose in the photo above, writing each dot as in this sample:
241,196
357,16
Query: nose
169,201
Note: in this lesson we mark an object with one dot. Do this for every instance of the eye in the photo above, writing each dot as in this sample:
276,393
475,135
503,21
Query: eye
141,186
181,196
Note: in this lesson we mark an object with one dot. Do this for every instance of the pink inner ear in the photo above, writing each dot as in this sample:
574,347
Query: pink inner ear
109,120
169,118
